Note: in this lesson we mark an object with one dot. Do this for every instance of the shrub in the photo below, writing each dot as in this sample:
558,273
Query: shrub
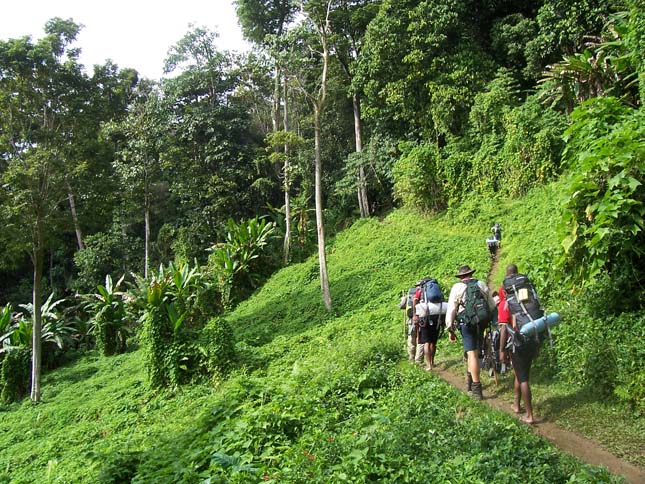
217,345
600,350
603,221
15,373
104,253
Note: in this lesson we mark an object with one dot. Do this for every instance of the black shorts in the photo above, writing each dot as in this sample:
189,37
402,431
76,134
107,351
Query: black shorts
522,358
429,330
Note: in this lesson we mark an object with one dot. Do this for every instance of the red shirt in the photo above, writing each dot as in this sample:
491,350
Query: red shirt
503,314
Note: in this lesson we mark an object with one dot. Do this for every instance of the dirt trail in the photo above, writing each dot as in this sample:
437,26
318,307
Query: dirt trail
584,449
493,269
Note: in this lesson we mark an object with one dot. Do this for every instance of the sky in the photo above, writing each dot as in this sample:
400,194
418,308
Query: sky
134,33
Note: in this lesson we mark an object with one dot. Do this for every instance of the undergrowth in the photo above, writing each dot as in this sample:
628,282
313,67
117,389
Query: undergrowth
317,397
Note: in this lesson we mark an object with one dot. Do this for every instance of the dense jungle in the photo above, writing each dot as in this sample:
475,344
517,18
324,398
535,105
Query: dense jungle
199,274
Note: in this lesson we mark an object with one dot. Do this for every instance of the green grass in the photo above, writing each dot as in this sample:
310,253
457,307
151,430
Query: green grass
318,397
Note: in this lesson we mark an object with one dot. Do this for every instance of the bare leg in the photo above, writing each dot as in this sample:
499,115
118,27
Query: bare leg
516,400
426,351
473,365
433,351
526,396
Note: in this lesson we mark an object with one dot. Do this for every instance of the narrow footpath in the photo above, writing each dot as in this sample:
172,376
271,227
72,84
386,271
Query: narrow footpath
584,449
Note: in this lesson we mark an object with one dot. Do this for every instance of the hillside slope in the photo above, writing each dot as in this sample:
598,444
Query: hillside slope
317,397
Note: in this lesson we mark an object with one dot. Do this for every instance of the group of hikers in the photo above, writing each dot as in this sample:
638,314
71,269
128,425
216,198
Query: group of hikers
474,312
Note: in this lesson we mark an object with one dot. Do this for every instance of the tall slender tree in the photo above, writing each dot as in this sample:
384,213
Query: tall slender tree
349,21
311,53
40,94
264,22
139,137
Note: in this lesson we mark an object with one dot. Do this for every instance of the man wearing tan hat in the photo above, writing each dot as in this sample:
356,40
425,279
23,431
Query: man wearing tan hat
465,295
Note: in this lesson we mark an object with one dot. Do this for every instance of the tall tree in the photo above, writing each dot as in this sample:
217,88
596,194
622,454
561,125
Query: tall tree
311,53
421,64
208,160
264,22
349,20
140,136
40,85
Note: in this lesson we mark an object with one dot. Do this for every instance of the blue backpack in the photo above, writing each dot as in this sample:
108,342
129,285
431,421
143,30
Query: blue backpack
431,291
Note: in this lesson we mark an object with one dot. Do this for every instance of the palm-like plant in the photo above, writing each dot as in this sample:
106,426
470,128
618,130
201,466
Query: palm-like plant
171,301
244,244
578,77
55,329
6,328
109,323
607,67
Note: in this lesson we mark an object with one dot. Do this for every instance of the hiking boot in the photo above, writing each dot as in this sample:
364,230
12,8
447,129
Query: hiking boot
477,390
469,382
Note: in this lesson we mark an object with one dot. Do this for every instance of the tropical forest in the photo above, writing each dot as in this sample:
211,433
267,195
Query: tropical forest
201,274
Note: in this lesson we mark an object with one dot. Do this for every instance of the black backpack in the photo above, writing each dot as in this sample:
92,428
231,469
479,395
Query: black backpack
522,299
411,292
476,312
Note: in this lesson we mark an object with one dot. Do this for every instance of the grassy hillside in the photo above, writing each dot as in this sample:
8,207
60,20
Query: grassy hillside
317,397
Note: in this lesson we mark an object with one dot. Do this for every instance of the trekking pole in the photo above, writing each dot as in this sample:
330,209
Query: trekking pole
405,315
492,356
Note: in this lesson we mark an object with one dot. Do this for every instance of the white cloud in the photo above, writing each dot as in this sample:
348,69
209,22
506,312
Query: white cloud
135,33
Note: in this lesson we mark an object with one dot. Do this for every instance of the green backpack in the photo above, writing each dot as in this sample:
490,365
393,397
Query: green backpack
475,312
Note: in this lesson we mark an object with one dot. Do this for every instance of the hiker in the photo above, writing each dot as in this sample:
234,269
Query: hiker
501,319
428,308
470,310
415,351
521,305
497,232
492,244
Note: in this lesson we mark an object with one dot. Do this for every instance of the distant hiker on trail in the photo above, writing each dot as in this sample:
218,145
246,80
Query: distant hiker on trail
470,309
493,245
428,309
497,232
518,296
415,351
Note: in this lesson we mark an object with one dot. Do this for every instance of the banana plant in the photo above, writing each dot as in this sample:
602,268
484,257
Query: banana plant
244,244
54,330
6,327
110,317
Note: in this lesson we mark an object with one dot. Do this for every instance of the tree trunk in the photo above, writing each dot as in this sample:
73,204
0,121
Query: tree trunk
287,181
77,227
124,239
363,202
275,112
38,260
147,234
322,258
318,106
